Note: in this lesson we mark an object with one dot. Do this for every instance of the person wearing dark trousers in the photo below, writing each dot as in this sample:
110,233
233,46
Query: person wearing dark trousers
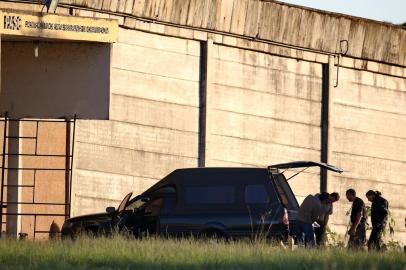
357,230
308,213
379,218
327,210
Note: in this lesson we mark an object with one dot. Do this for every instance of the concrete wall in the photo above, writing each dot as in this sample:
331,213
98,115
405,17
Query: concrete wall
369,120
264,110
273,21
153,127
65,78
263,54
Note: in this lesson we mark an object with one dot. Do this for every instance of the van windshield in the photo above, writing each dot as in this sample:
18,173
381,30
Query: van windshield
285,192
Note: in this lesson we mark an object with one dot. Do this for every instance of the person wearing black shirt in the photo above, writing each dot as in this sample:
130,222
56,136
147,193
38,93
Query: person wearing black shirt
357,230
379,218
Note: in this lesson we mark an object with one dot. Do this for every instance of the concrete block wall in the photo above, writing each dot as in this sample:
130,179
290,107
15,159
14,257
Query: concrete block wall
262,109
265,109
369,120
154,121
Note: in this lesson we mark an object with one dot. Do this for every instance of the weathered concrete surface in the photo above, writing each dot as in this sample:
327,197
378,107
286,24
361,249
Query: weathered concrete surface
122,10
265,104
273,21
370,140
154,121
264,109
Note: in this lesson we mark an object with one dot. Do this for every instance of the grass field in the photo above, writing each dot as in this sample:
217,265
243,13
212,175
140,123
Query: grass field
120,253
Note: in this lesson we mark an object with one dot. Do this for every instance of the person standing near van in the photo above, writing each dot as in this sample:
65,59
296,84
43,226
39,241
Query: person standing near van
309,212
379,218
357,230
327,210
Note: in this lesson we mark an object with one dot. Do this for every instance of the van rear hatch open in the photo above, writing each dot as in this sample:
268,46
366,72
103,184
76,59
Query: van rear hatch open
305,164
285,193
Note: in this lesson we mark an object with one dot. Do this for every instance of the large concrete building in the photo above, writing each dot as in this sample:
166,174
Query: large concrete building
186,83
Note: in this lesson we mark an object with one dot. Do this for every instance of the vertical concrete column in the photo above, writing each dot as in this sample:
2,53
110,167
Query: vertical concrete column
205,96
13,179
326,120
331,93
324,124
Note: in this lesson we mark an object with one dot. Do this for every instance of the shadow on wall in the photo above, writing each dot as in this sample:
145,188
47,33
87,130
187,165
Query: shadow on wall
66,78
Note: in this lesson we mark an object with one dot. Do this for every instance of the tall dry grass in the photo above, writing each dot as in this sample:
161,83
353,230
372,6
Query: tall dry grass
155,253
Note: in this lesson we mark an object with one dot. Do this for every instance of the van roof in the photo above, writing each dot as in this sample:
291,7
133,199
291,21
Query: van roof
180,175
217,169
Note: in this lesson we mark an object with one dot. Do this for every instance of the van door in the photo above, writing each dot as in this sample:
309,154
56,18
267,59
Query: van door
168,224
147,210
207,206
145,219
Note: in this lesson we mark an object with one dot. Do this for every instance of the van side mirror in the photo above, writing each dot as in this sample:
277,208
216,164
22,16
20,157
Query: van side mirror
111,210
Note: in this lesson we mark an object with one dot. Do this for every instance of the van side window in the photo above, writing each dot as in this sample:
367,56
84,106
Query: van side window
256,194
210,195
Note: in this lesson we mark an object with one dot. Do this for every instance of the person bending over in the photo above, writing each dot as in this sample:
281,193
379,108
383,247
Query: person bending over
309,212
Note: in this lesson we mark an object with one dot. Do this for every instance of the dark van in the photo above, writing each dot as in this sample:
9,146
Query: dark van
222,202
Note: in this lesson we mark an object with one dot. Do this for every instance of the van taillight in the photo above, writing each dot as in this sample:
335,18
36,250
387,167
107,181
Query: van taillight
285,218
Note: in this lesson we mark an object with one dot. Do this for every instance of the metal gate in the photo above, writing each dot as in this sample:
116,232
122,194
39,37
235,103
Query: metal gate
36,175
